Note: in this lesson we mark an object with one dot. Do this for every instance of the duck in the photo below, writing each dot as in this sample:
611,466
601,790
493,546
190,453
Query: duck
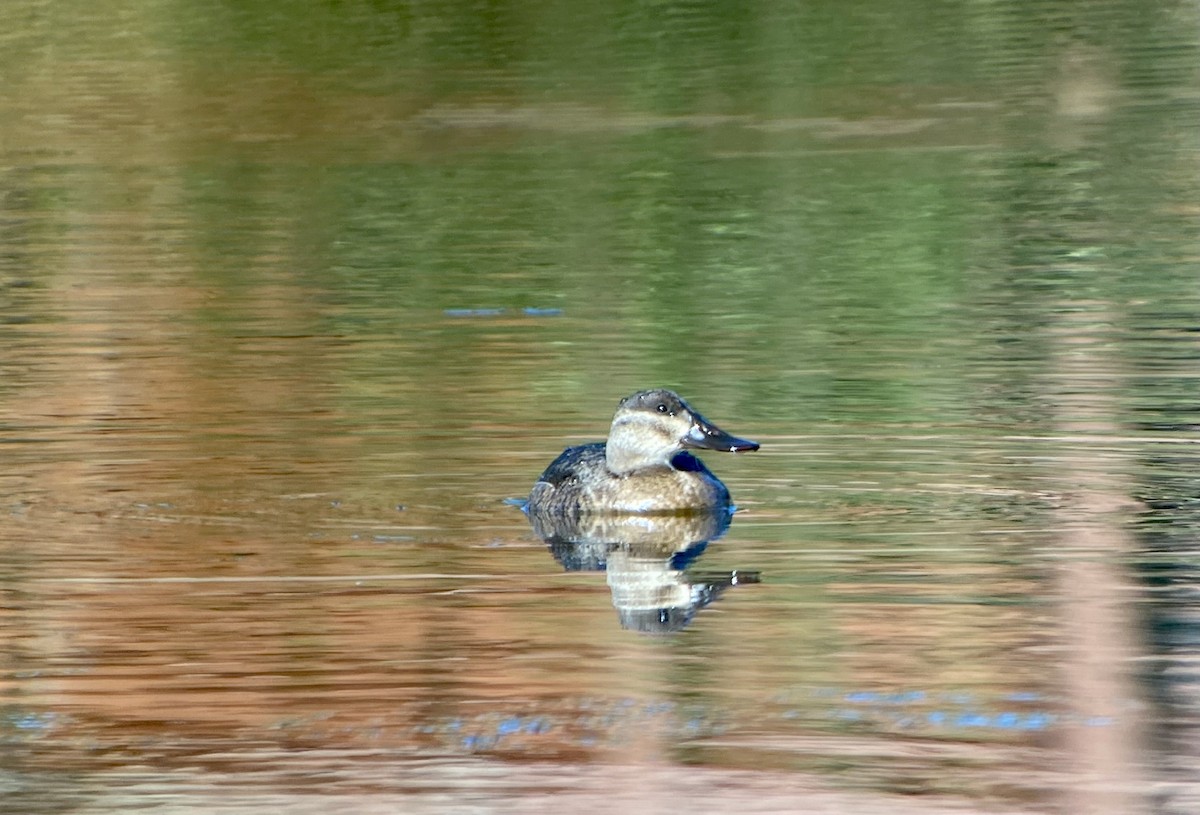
644,467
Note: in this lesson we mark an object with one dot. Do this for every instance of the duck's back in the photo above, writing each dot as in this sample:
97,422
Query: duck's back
559,489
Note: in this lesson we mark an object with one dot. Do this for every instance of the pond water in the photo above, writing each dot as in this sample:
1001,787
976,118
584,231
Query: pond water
296,305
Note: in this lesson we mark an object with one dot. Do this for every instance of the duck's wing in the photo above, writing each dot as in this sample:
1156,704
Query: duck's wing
558,489
574,463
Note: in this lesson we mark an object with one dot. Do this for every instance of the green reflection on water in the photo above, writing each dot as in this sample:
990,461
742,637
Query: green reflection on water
810,213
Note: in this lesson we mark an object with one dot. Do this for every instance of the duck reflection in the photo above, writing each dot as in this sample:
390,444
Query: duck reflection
647,560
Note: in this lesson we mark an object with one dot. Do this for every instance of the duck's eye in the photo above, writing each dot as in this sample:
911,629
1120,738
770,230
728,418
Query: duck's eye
662,408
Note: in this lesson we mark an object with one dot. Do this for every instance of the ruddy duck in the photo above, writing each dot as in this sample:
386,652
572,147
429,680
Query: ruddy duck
643,467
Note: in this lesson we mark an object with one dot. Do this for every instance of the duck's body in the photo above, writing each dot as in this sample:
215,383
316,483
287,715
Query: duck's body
580,480
643,467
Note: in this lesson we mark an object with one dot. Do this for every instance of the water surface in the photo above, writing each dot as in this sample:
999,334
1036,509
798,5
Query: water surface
292,306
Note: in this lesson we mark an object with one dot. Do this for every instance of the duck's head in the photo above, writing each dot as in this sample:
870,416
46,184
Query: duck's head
651,427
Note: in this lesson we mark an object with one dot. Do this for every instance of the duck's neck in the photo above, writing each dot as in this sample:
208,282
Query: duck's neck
635,446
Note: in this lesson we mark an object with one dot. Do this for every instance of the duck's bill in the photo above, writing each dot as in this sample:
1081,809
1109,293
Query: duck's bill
707,436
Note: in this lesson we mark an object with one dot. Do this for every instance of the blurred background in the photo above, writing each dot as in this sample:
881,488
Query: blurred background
297,297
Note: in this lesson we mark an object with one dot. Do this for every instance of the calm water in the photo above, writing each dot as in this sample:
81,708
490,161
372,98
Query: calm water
294,303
